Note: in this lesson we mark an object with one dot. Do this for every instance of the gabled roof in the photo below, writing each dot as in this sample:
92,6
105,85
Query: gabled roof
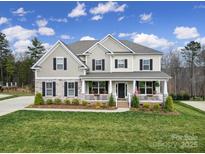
52,49
80,47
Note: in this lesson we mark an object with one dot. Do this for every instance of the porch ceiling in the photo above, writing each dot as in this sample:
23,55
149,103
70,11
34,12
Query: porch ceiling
154,75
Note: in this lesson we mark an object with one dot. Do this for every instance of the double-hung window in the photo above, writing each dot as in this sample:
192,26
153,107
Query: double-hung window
121,63
98,64
49,89
60,63
71,88
146,64
99,87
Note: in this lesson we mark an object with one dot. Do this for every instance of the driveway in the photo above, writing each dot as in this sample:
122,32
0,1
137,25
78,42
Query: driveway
197,104
15,104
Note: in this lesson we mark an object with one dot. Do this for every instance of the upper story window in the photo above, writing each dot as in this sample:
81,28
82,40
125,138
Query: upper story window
146,64
120,63
59,63
98,64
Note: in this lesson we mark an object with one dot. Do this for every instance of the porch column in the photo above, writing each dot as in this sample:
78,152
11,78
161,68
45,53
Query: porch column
165,88
110,86
83,86
134,86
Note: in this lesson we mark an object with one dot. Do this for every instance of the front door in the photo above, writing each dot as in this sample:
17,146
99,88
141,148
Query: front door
121,90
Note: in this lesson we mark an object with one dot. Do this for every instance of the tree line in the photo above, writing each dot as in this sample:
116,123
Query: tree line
17,67
185,66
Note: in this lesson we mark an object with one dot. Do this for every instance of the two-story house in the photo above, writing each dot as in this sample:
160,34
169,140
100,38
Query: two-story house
93,69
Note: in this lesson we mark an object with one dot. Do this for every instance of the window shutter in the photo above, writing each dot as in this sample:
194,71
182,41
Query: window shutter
54,88
65,88
54,63
93,64
137,84
154,88
151,64
141,64
116,63
43,88
65,63
76,88
125,63
103,64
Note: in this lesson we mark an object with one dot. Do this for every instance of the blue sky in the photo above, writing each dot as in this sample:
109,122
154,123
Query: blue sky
159,25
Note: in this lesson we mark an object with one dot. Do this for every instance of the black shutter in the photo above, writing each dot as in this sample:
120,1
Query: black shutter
65,88
137,84
151,64
103,64
65,63
43,88
154,88
54,88
141,64
54,63
125,63
93,64
76,88
116,63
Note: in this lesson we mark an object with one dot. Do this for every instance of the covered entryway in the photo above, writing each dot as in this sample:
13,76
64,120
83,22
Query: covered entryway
121,90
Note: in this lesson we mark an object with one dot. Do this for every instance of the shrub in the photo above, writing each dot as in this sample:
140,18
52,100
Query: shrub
38,99
186,96
98,105
169,105
146,105
111,101
104,105
67,101
57,101
135,101
84,103
49,101
156,107
76,101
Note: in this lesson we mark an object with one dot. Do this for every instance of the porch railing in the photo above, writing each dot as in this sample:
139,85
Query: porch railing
102,97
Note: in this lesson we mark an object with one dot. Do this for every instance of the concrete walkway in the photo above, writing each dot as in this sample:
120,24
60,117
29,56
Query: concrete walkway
78,110
15,104
197,104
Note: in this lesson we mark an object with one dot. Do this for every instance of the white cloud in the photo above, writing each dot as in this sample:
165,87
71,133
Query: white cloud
58,20
201,40
120,18
3,20
96,17
149,40
21,45
65,37
87,38
78,11
20,12
41,22
186,32
46,45
46,31
18,33
103,8
145,18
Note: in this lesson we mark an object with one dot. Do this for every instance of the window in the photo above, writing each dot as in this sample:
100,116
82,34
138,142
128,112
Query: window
121,63
59,63
49,89
146,87
146,64
98,64
99,87
71,88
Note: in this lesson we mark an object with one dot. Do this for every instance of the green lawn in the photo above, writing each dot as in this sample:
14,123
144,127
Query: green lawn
35,131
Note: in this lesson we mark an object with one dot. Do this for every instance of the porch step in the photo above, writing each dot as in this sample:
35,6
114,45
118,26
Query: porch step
122,104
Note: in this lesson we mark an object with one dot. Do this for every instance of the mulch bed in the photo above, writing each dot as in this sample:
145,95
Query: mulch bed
65,106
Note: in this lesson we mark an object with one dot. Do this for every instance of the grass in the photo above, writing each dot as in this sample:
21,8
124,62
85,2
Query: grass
36,131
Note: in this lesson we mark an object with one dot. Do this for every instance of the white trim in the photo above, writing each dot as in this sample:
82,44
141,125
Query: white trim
111,62
94,46
53,78
52,50
109,35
